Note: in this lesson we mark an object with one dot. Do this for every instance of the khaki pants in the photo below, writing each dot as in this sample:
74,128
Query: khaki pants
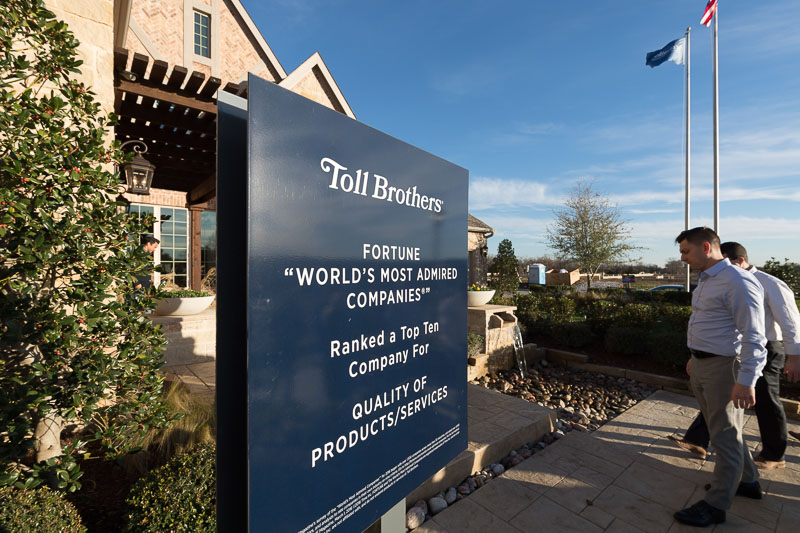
712,382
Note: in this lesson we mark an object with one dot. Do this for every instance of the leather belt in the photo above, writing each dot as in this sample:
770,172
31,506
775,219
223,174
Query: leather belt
702,355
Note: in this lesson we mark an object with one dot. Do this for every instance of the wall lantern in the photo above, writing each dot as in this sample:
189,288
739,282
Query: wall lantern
139,171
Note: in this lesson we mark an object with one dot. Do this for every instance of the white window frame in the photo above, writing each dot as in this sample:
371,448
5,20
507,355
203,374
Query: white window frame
212,11
157,235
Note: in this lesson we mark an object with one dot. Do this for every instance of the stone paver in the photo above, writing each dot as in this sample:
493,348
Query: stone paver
624,477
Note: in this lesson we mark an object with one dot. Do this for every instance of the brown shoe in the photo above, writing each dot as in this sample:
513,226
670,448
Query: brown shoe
696,450
795,434
768,465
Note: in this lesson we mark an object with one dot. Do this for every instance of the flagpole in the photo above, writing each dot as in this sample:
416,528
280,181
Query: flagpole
687,60
716,122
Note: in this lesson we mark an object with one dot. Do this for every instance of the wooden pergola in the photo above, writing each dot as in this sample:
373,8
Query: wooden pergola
174,112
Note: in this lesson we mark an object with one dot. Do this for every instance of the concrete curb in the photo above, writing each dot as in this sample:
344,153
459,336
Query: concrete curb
680,386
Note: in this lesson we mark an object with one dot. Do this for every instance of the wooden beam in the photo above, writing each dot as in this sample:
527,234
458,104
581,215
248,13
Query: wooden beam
210,87
167,136
176,78
158,72
173,119
165,96
194,83
139,65
204,191
120,59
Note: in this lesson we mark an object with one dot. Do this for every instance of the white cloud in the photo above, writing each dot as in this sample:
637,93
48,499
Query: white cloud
490,193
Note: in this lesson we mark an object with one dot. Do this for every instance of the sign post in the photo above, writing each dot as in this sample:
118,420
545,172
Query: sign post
354,329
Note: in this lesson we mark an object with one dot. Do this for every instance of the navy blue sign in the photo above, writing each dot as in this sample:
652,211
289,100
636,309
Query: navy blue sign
356,315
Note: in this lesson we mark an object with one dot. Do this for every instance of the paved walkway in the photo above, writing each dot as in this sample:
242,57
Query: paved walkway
624,477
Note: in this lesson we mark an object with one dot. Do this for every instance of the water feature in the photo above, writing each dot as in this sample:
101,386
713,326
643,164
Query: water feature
519,352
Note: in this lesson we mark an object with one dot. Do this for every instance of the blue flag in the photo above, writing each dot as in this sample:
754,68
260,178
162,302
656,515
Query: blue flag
672,52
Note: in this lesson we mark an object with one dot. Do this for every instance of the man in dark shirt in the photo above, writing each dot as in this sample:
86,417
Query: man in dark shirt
149,245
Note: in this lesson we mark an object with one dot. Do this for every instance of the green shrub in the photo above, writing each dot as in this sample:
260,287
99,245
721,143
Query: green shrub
185,293
668,345
557,309
600,314
573,334
626,340
178,497
636,316
37,511
475,344
675,316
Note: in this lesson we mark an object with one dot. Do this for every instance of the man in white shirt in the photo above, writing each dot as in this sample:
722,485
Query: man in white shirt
782,322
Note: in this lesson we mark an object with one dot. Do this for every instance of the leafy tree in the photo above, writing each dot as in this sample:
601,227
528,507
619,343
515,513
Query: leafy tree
504,267
788,272
675,267
75,346
589,230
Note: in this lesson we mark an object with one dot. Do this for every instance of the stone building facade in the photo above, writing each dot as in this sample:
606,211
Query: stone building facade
478,233
213,38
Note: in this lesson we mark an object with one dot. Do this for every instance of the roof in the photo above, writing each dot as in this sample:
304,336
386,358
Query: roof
473,224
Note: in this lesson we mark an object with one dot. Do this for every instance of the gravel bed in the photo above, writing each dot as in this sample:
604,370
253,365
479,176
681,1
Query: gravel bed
583,401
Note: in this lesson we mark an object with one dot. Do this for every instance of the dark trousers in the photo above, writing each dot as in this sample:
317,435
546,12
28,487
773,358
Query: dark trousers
768,408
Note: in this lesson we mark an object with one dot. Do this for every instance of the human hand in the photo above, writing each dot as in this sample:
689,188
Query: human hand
743,397
689,367
792,368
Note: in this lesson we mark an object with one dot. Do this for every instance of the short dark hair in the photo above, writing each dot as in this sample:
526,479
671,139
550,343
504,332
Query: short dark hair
149,239
699,235
734,251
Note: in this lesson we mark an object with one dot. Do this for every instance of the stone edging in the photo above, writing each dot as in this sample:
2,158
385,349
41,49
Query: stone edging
680,386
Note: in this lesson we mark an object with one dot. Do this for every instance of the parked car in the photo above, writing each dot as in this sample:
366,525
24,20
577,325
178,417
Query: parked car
669,288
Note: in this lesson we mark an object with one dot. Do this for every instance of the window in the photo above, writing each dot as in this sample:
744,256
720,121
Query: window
172,229
174,245
208,243
202,34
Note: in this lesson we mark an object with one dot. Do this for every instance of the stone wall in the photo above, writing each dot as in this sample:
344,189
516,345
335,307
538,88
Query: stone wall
314,87
163,197
234,49
190,339
91,21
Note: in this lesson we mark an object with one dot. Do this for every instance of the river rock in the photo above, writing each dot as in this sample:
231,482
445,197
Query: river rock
414,517
436,505
451,495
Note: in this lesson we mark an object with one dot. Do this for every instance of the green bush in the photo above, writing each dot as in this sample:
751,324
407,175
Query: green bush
475,344
600,314
37,511
557,309
636,316
675,316
626,340
668,345
178,497
185,293
573,334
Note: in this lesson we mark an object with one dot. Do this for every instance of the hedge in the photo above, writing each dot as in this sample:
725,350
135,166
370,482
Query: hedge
37,511
179,497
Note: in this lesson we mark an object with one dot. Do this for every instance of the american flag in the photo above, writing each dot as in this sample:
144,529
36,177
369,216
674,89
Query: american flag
708,14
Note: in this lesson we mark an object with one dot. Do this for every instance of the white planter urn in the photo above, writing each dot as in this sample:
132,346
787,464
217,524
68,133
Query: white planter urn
183,306
478,298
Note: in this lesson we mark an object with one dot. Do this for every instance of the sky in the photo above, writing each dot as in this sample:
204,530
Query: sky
533,97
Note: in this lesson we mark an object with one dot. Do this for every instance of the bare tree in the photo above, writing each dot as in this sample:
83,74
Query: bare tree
675,267
590,230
